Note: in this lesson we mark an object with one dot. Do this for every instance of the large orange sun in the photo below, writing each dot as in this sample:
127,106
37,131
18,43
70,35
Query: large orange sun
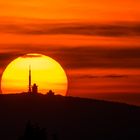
45,72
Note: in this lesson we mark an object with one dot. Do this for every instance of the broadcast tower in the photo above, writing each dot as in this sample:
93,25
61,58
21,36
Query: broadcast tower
30,86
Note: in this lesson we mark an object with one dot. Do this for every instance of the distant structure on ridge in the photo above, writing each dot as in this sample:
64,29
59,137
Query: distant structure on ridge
32,89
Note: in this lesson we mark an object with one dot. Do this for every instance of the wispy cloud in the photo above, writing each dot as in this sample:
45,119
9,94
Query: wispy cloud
6,58
91,76
116,76
82,57
31,55
108,30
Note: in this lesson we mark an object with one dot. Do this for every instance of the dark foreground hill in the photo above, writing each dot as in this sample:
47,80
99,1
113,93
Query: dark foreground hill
68,117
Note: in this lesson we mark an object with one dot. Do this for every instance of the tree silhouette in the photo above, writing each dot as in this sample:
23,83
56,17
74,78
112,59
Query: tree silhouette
34,132
55,136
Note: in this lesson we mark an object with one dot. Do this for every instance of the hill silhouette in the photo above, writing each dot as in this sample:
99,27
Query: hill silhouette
70,118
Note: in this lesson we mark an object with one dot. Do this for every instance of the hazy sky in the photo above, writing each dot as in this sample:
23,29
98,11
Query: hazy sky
97,42
72,9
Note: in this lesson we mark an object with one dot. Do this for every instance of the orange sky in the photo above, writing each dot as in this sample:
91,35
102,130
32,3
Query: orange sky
97,42
72,9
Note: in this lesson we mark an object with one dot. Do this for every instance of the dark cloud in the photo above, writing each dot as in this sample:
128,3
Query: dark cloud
81,57
116,30
7,57
114,76
109,30
89,57
91,76
84,76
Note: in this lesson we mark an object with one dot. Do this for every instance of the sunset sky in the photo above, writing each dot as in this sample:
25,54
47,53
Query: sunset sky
96,42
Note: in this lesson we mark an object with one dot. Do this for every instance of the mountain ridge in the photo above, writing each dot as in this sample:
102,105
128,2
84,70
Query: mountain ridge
71,117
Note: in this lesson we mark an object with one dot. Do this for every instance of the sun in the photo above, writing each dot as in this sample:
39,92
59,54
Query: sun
47,73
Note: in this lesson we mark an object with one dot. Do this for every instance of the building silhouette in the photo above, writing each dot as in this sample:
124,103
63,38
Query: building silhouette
34,89
50,93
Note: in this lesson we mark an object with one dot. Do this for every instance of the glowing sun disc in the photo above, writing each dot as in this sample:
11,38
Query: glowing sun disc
45,71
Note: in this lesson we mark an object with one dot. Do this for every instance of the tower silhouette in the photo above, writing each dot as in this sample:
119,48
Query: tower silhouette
30,78
32,89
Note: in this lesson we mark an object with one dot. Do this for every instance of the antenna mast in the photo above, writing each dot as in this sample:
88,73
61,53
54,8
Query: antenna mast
30,78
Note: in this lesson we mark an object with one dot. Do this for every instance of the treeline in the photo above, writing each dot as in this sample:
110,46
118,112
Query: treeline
35,132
